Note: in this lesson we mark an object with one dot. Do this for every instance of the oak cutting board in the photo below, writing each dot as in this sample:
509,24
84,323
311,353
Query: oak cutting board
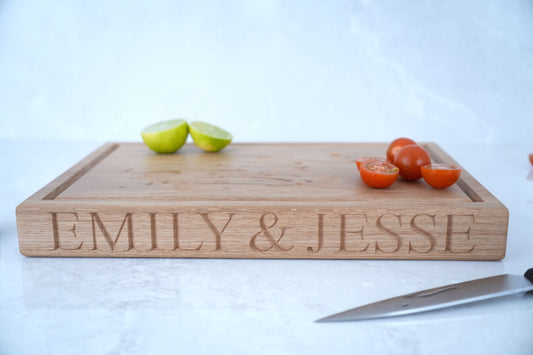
288,200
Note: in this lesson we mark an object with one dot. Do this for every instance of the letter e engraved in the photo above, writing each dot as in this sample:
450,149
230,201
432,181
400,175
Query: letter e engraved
344,232
216,232
96,221
450,233
395,236
320,234
175,225
55,230
274,243
428,236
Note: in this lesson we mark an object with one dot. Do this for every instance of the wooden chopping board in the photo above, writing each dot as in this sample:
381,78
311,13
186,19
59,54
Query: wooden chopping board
286,200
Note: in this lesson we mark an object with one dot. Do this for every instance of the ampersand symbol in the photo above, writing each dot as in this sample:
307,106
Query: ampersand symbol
274,243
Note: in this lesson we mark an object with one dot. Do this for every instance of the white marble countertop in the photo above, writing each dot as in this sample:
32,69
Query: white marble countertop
153,306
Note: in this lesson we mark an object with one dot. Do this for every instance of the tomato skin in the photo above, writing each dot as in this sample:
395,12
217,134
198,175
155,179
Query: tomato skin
396,145
358,161
409,159
440,176
378,174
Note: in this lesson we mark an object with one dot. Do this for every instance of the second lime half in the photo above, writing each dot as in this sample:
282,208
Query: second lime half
208,136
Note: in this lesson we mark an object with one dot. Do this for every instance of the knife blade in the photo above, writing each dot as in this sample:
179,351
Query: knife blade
439,297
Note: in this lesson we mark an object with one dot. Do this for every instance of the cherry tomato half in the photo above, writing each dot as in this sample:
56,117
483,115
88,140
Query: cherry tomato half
440,176
396,145
409,159
379,174
358,161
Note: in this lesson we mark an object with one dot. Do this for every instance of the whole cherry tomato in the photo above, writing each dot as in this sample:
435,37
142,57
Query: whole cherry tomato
358,161
379,174
409,159
440,176
396,145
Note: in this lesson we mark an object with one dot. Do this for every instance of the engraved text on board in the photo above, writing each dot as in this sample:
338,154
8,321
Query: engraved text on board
264,233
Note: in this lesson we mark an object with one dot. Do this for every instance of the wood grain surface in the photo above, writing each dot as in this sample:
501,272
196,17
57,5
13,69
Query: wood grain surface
286,200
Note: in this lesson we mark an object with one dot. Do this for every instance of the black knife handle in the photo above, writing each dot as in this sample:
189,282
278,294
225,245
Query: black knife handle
529,274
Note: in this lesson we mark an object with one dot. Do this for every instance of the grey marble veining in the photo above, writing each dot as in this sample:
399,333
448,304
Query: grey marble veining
269,71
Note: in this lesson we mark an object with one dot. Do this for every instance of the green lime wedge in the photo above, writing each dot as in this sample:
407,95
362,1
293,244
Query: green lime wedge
167,136
209,137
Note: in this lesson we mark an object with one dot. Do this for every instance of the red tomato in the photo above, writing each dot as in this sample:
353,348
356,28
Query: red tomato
358,161
396,145
378,174
440,176
531,158
409,159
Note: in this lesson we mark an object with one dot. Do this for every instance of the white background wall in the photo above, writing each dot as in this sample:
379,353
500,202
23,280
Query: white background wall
443,71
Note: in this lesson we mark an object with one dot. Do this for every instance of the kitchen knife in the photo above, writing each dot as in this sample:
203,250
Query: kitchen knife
440,297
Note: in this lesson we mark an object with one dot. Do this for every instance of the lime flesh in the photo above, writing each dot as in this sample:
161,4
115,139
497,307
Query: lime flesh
209,137
167,136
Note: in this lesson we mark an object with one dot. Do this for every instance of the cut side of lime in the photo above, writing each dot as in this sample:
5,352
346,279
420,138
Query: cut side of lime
209,137
167,136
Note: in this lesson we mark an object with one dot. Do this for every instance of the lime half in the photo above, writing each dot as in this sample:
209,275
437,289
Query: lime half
166,136
209,137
